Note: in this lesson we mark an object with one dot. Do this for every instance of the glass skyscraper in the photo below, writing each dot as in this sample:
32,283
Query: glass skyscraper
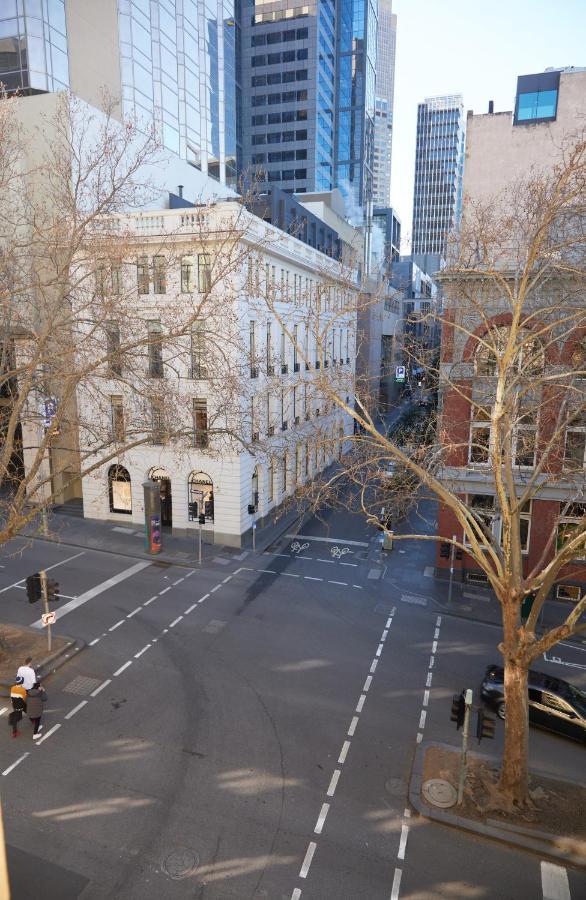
439,169
33,46
385,91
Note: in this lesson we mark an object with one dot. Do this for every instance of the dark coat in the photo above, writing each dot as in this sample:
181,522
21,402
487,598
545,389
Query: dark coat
34,703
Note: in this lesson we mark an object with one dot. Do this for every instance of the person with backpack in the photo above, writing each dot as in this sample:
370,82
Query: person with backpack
18,696
35,699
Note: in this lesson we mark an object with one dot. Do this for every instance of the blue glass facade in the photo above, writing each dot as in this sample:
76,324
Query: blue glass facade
33,46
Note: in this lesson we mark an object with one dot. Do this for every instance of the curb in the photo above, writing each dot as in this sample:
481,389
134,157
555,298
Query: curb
49,664
536,842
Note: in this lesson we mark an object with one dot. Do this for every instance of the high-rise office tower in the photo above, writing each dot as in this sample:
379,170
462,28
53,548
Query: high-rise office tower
308,95
385,89
439,167
172,62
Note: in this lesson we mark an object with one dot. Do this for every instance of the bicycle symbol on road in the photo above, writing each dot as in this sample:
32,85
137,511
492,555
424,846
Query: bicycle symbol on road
296,547
338,552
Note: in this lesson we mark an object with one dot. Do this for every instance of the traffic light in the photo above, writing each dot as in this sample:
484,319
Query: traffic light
33,588
445,551
458,710
52,591
484,725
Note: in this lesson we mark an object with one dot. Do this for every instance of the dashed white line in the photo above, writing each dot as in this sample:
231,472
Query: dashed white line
268,571
140,652
103,685
431,661
134,612
227,579
354,565
343,583
189,609
296,894
373,666
329,561
14,764
164,591
179,580
396,884
429,677
216,588
554,881
359,586
379,650
122,668
422,719
267,553
152,600
360,703
436,633
117,625
389,622
434,647
321,818
175,622
205,597
419,737
76,709
426,698
95,641
367,683
291,574
439,620
312,578
189,574
333,783
403,841
307,860
344,752
353,725
164,631
385,634
49,733
303,557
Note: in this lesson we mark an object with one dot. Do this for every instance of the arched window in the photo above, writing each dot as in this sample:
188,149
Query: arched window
200,497
120,490
528,360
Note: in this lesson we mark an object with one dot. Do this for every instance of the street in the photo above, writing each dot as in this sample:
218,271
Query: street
248,729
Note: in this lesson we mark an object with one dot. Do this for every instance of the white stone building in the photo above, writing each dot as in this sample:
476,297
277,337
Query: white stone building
241,412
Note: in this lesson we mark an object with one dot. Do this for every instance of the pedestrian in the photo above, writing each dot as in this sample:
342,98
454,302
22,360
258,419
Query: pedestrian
18,696
27,673
36,697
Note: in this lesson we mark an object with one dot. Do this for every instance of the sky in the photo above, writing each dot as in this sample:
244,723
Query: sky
477,49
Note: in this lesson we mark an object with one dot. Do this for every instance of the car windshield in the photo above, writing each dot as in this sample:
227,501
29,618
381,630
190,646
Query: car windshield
578,699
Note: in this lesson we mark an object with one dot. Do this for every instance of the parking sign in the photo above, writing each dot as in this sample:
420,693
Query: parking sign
400,373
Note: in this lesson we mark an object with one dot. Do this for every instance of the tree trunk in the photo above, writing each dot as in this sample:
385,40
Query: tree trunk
513,781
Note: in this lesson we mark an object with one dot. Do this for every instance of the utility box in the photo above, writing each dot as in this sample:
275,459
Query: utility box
387,540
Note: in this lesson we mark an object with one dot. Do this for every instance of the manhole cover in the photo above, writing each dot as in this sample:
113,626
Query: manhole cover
394,786
82,685
180,863
439,793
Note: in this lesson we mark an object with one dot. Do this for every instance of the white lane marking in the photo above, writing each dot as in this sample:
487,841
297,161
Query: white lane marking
422,719
419,737
14,764
431,661
359,586
426,698
360,703
267,553
325,540
152,600
140,652
189,609
311,578
403,841
429,677
95,641
76,709
329,561
98,589
290,574
406,813
342,583
189,574
216,588
353,725
134,612
179,580
439,620
379,650
49,733
227,579
3,710
436,633
121,669
103,685
164,591
321,818
344,752
367,683
175,622
373,666
333,783
117,625
396,884
164,631
307,860
385,634
47,569
354,565
305,557
296,894
434,647
268,571
205,597
554,882
389,622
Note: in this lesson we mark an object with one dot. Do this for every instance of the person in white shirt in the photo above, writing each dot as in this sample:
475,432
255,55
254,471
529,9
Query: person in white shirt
27,673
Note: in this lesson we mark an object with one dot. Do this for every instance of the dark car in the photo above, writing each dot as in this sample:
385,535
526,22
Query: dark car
553,704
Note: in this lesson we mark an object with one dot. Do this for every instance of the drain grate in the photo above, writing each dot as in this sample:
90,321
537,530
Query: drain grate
82,685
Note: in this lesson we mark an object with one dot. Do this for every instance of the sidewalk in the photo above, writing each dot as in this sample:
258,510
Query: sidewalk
128,540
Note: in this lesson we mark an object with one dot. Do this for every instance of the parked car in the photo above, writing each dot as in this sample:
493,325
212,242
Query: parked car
553,704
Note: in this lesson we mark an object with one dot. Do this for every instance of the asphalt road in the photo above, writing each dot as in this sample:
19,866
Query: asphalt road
247,730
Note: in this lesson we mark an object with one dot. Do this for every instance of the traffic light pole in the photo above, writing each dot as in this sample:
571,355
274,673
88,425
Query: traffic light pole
464,756
452,554
45,597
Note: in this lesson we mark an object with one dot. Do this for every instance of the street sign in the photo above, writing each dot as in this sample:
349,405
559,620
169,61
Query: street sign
400,373
49,618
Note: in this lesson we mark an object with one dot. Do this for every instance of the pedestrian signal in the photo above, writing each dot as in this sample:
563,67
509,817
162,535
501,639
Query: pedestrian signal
458,710
484,725
33,587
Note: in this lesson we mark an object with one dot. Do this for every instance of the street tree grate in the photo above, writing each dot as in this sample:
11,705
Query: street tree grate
82,685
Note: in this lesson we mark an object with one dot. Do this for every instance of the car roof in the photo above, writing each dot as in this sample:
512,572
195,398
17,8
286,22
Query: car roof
540,680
